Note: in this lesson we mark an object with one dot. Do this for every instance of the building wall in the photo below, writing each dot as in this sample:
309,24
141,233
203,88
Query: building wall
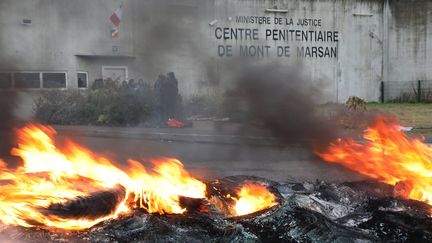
410,40
377,40
357,68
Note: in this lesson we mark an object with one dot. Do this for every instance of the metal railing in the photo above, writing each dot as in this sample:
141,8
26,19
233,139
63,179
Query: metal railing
406,91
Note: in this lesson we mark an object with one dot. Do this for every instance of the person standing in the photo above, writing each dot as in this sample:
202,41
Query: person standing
161,89
167,91
173,95
158,82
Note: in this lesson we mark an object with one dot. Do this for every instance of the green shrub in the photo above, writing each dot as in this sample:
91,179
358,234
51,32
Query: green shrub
107,106
205,105
59,107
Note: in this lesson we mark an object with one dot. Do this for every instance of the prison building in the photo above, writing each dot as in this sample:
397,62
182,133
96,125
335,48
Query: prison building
349,46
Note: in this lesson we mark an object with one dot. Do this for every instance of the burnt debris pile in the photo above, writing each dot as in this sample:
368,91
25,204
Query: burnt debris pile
306,212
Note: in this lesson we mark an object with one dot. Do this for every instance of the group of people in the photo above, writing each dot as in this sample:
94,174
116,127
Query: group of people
109,83
165,88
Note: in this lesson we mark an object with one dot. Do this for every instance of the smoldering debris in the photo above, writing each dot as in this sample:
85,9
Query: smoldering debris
96,205
308,212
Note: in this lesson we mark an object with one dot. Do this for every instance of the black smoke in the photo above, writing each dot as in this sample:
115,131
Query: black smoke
169,32
7,122
8,103
279,99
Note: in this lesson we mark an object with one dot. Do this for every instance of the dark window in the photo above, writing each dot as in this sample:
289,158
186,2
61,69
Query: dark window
27,80
54,80
82,80
5,80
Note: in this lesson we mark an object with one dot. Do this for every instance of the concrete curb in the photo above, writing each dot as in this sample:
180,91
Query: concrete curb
176,136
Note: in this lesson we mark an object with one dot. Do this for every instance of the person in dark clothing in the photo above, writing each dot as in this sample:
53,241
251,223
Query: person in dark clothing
173,80
174,96
81,83
124,85
98,84
161,91
141,84
109,83
158,83
132,84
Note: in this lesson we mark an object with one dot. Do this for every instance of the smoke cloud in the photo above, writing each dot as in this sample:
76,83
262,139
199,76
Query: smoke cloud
170,32
280,100
8,103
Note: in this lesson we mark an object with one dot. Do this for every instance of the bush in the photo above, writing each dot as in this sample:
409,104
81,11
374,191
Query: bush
107,106
203,105
59,107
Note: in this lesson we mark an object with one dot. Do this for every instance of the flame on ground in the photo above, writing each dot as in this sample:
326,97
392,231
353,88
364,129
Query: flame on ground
387,154
253,197
53,175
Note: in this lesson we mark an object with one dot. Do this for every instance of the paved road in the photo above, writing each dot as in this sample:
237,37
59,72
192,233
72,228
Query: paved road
210,160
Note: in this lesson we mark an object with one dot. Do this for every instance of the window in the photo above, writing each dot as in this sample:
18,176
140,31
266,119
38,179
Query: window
5,80
54,80
34,80
82,79
27,80
117,74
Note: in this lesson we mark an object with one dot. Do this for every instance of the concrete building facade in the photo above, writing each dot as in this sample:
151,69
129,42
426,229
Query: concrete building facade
349,45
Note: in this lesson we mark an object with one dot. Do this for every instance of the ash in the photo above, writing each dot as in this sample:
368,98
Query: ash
307,212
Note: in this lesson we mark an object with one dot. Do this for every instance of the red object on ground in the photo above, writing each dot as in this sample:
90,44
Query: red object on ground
174,123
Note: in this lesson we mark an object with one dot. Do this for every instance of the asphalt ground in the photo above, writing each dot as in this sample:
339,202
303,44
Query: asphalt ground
209,152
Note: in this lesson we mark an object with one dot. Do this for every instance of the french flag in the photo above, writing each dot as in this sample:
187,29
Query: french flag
115,20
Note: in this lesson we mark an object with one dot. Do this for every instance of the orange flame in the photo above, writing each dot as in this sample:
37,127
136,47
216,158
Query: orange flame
159,191
253,197
53,175
390,156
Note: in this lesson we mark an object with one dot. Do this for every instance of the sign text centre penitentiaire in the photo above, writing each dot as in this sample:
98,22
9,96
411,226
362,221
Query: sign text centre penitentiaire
282,37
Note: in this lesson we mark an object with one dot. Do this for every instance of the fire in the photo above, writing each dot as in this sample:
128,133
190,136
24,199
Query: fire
253,197
53,175
159,191
387,154
62,178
